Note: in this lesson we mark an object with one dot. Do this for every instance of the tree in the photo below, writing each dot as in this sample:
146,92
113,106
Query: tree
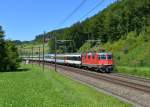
9,57
12,56
2,50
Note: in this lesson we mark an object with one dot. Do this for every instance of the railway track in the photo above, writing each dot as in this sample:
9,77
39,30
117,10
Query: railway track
109,78
128,82
142,79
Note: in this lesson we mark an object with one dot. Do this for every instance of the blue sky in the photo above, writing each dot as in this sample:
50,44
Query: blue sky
24,19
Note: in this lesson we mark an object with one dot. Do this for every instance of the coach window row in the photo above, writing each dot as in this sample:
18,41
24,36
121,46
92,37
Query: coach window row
100,57
74,58
89,56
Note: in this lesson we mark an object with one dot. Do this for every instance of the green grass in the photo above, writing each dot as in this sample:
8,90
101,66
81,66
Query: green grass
138,71
33,88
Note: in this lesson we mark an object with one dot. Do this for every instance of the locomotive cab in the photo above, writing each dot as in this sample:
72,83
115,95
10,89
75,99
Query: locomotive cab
105,58
106,61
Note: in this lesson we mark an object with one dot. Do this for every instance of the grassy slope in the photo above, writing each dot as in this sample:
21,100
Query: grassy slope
132,54
137,71
133,51
27,48
34,88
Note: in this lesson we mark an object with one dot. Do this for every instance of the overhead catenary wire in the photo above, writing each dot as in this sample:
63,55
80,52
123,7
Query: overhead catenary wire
96,6
73,12
77,8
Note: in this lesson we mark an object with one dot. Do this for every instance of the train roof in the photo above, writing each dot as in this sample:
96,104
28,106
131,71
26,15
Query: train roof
101,53
77,54
70,55
65,55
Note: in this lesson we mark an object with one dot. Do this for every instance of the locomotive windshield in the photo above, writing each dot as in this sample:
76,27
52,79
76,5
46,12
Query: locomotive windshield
102,57
105,56
109,57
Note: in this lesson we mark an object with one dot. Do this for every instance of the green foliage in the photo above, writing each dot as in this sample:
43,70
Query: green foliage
138,71
26,49
12,56
9,58
85,47
131,51
17,42
2,50
51,44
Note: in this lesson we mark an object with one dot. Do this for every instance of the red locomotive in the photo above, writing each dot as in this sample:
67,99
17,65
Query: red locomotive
102,61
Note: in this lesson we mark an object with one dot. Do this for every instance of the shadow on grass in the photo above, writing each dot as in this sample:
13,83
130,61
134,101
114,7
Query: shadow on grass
17,70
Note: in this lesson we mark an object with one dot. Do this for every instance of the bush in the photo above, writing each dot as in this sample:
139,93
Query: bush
12,56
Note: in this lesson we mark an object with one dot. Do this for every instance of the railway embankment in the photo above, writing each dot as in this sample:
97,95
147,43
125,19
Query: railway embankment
143,72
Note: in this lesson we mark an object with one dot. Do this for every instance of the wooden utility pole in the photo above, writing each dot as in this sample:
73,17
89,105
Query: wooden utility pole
39,55
43,49
55,52
29,54
32,56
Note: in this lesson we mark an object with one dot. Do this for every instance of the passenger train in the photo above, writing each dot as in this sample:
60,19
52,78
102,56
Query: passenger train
100,62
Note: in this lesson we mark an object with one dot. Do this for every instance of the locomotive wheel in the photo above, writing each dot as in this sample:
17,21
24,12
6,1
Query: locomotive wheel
102,70
107,70
97,70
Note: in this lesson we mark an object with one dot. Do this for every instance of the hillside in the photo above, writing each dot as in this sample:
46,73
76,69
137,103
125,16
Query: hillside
111,24
134,50
122,27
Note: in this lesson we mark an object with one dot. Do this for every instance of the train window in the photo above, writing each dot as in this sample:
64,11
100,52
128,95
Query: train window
101,57
79,58
61,58
109,57
74,58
